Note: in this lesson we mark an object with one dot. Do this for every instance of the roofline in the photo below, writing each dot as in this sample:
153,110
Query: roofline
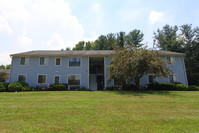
47,53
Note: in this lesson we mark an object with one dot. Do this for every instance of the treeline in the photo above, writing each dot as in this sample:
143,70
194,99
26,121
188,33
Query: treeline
112,41
5,66
183,39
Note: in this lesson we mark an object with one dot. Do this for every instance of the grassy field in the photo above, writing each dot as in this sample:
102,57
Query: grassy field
100,112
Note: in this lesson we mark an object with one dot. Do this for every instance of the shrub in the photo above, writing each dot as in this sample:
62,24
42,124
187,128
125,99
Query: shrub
129,87
2,88
181,87
26,88
193,88
58,87
24,84
14,86
167,86
5,84
112,88
83,89
75,88
38,88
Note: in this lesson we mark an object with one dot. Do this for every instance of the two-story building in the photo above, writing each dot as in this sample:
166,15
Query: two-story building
86,68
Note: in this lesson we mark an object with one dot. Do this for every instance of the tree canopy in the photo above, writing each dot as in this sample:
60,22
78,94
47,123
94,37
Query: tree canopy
132,63
113,41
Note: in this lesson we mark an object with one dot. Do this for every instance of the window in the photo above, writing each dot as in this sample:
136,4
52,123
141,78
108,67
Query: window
43,61
24,61
73,79
172,78
56,80
170,60
58,61
151,78
41,79
74,62
22,78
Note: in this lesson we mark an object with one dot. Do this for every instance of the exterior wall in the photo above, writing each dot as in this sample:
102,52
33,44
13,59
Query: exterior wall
107,61
177,69
33,69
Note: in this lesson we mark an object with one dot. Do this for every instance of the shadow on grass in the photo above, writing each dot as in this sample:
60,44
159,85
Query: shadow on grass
142,93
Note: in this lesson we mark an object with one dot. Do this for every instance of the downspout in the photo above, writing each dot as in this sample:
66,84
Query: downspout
185,73
10,68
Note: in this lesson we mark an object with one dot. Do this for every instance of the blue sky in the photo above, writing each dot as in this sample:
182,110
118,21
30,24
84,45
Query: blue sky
55,24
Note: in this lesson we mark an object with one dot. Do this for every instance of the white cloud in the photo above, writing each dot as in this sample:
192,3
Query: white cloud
5,58
56,42
25,42
155,17
4,26
96,7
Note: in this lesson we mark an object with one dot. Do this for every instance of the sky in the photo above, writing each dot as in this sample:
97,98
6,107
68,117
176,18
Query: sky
27,25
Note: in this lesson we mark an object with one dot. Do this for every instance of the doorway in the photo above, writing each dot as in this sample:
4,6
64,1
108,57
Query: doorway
96,73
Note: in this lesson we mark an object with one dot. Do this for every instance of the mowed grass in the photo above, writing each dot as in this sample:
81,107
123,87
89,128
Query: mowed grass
100,112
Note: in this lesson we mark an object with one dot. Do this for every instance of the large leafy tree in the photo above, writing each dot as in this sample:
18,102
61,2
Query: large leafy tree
132,63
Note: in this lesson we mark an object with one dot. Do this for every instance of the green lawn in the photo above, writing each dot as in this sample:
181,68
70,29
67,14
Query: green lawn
100,111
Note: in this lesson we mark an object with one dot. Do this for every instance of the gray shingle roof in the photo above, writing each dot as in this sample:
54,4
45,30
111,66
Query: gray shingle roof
80,53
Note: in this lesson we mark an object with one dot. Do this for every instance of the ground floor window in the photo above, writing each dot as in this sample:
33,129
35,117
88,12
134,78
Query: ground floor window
172,78
73,79
151,78
41,79
22,78
56,79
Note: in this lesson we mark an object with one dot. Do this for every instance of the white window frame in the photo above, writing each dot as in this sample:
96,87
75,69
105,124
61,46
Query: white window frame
74,66
45,61
173,78
56,61
38,78
26,61
155,79
171,60
74,75
54,78
23,75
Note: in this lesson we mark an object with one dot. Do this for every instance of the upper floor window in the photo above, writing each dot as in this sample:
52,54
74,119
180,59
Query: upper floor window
170,60
74,62
24,61
22,78
172,78
43,61
58,61
41,79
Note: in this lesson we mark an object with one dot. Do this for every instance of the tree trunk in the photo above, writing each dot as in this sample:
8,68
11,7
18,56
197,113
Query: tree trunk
137,83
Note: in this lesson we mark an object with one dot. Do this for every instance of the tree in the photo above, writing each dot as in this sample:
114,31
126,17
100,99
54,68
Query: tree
121,39
3,76
101,43
111,41
8,66
166,39
2,67
135,38
79,46
132,63
184,39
